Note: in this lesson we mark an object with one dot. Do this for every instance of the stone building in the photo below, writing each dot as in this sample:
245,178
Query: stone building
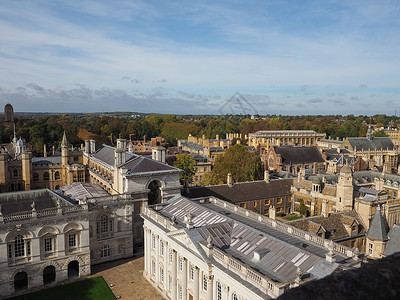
293,159
267,138
258,196
210,249
44,239
374,151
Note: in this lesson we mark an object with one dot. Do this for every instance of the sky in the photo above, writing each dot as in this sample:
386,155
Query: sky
201,57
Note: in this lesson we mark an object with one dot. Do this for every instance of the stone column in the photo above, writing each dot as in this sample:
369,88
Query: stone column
196,283
210,286
184,278
146,254
157,259
174,281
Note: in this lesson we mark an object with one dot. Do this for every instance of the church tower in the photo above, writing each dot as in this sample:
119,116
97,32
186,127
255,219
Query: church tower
345,190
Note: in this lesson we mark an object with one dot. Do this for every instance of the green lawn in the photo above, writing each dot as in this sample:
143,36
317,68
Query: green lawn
293,218
89,289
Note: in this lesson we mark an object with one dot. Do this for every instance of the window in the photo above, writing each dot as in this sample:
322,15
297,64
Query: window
181,264
234,297
191,272
46,176
154,267
19,246
162,248
279,200
255,203
154,241
219,291
106,224
370,249
35,177
205,282
162,274
72,240
48,244
57,175
171,253
105,251
170,282
267,202
180,292
15,173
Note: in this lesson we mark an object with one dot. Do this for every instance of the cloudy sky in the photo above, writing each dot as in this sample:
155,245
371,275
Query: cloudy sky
282,57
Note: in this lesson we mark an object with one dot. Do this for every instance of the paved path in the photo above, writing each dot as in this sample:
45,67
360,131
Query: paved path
127,277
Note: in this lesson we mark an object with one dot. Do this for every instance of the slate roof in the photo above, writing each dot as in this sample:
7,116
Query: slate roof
16,202
393,244
335,220
377,229
143,164
376,143
106,154
78,190
242,191
240,236
46,160
298,155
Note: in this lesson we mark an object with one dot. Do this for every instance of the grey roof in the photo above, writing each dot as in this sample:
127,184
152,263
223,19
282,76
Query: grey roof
106,154
141,164
377,230
377,143
331,141
393,244
294,155
79,190
16,202
240,236
46,160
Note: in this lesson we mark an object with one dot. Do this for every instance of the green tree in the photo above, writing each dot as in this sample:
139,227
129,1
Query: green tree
242,164
379,133
186,163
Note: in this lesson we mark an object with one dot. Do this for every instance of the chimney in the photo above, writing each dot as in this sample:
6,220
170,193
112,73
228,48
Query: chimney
87,147
44,151
325,208
266,176
92,146
120,152
272,213
229,180
158,154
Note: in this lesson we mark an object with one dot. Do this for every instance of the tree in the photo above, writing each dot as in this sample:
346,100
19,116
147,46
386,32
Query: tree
242,164
379,133
186,163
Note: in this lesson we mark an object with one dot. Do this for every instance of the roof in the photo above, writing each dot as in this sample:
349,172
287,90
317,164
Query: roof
78,190
295,155
16,202
336,221
261,133
376,143
106,154
393,244
143,164
242,191
46,160
377,230
239,236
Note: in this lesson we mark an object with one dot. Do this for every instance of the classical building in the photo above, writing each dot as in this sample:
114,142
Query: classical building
266,138
44,239
51,236
394,134
374,151
210,249
293,159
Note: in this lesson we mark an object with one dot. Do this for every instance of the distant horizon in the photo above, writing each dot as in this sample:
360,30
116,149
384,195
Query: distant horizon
285,57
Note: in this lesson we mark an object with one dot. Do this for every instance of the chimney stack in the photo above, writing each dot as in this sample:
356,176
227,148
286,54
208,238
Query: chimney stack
229,180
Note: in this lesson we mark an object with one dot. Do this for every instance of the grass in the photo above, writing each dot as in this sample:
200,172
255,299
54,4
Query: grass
89,289
293,218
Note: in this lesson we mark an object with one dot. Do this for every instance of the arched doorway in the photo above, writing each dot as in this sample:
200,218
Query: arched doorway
73,269
49,274
20,281
154,195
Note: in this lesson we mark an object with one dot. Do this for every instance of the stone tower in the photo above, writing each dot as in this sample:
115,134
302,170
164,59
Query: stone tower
345,190
8,113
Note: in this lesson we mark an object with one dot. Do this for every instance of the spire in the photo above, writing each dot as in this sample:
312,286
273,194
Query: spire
369,133
377,230
64,142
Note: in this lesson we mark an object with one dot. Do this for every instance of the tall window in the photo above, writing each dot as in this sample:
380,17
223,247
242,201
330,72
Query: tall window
15,173
234,297
72,240
35,177
19,246
162,274
46,176
191,272
154,241
219,291
162,248
205,282
181,264
105,225
48,244
171,253
105,251
154,267
57,175
180,292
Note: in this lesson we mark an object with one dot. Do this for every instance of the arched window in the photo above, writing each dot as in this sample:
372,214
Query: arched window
15,172
35,177
46,176
234,297
105,251
57,175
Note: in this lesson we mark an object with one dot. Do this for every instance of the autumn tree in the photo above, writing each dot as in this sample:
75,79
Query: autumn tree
242,164
187,164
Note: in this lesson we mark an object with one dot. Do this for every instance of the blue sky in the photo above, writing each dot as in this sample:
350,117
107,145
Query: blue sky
283,57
